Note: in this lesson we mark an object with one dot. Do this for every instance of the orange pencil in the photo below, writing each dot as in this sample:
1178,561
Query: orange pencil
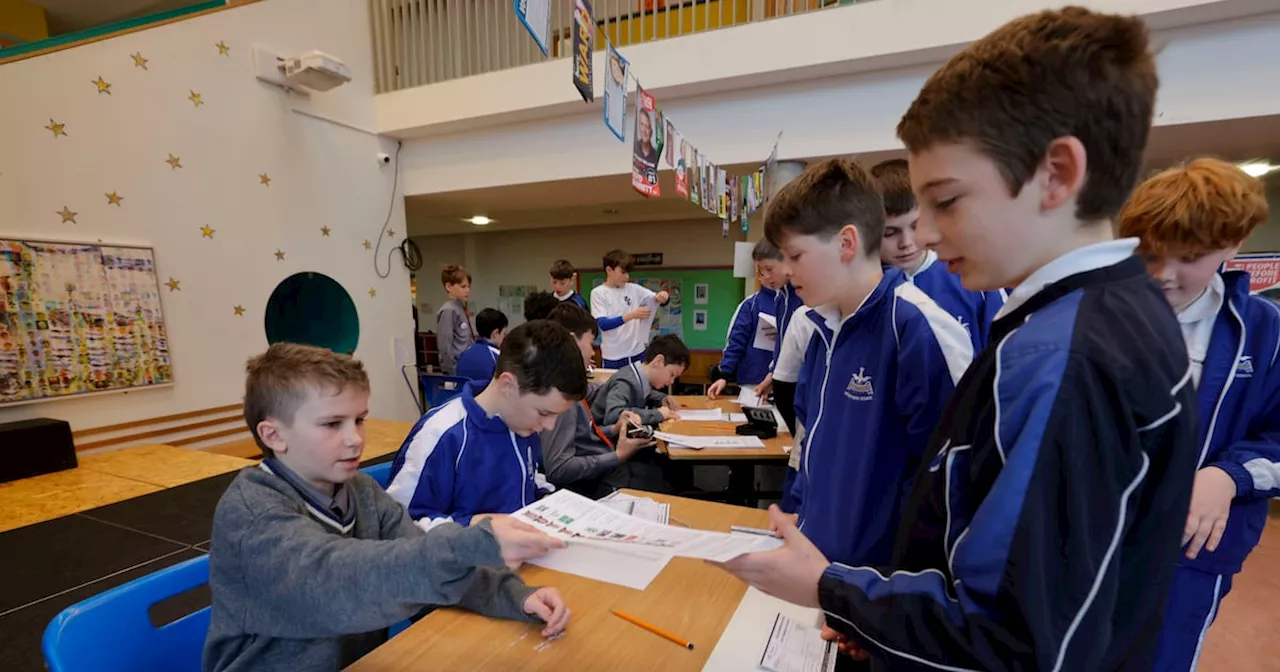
653,628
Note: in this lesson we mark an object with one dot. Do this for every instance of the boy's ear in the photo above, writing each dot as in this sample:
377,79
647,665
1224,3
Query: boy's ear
269,432
1065,166
850,243
658,361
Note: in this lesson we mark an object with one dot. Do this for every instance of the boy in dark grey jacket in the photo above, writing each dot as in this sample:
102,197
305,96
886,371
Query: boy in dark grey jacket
635,387
589,459
312,561
453,324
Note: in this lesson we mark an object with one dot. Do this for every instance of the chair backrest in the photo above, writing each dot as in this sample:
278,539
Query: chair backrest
380,473
441,389
112,631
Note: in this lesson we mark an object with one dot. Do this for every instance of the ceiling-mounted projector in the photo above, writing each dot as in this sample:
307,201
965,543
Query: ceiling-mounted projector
316,70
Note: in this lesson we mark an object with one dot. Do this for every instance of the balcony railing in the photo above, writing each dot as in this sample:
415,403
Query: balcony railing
419,42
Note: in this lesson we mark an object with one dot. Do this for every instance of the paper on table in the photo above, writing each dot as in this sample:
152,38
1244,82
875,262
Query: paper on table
701,442
796,647
640,507
766,333
581,521
747,397
629,566
743,640
711,415
735,417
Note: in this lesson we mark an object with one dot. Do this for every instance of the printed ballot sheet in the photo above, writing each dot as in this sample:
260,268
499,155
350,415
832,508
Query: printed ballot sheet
766,333
758,639
701,442
640,507
708,415
582,521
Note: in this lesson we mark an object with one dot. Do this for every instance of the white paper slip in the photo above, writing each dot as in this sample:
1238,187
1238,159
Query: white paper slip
796,647
711,415
629,567
766,336
582,521
640,507
743,642
702,442
747,396
735,417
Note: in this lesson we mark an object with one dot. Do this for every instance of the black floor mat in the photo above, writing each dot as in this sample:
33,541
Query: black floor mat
43,559
21,631
183,514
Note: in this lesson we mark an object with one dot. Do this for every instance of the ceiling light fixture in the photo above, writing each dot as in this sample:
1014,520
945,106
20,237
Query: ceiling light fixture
479,220
1257,168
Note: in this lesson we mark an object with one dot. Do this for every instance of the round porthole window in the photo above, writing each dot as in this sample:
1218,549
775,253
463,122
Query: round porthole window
313,309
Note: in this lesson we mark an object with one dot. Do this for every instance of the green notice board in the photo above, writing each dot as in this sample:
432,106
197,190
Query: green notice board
724,293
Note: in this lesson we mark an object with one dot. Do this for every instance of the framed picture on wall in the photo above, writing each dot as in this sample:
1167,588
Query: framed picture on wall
699,320
701,294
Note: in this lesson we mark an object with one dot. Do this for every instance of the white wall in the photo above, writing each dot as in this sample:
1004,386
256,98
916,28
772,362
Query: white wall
1266,238
523,257
1207,72
322,175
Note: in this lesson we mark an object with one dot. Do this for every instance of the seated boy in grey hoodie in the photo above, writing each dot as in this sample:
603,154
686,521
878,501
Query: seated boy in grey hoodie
311,560
634,387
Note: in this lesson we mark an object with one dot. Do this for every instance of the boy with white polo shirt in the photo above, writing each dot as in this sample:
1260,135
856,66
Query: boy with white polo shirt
624,311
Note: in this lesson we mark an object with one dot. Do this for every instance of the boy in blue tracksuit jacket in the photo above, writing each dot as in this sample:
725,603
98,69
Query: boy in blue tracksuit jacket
564,283
479,453
1191,219
974,310
877,373
1041,528
478,361
742,361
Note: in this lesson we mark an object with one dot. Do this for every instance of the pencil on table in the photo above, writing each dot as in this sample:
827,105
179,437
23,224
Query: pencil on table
654,629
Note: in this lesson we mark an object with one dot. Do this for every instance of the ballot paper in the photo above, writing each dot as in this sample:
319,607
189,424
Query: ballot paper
701,442
640,507
710,415
581,521
751,639
747,397
766,333
735,417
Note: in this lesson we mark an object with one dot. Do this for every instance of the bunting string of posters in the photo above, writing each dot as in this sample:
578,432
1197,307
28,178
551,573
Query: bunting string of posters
656,141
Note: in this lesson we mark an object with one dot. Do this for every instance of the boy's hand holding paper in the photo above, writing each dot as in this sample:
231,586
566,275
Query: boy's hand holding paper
519,542
791,572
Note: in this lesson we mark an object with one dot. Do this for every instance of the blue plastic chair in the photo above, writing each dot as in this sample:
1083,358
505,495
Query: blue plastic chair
440,389
380,473
112,631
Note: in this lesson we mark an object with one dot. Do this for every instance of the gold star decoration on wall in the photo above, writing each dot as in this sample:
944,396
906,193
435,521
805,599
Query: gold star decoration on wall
195,98
114,199
67,215
373,293
138,60
103,85
173,285
367,245
223,49
239,311
391,233
264,179
207,231
56,128
324,231
279,255
174,162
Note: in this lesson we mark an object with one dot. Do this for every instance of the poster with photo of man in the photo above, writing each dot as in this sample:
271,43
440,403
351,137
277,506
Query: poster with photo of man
647,149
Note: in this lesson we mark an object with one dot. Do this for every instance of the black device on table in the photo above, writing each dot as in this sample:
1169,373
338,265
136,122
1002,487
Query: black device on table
761,422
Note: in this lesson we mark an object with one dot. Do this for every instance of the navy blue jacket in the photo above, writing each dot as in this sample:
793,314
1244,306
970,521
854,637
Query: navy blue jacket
869,394
1239,405
577,299
1042,525
742,361
975,310
785,304
478,362
458,462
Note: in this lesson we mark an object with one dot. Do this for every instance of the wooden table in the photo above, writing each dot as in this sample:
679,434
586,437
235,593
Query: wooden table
689,598
772,451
